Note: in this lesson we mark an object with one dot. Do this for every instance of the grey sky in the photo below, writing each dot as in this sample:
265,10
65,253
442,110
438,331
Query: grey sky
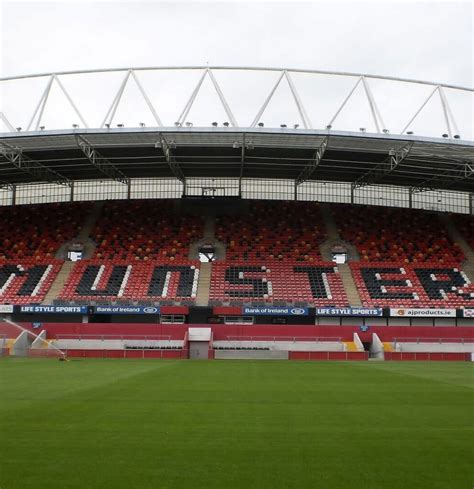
423,40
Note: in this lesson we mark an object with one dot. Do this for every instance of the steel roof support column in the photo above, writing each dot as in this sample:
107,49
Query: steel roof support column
338,111
303,114
242,163
224,103
373,106
447,113
41,104
71,193
66,94
267,100
147,100
190,102
471,204
419,110
116,101
40,116
3,117
13,196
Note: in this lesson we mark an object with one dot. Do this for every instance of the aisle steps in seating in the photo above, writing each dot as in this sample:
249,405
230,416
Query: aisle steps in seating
204,284
349,285
59,281
90,221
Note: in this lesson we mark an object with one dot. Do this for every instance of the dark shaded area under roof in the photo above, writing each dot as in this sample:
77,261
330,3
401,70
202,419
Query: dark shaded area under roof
56,156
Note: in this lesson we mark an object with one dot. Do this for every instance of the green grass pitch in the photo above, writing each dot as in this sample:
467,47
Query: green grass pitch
149,424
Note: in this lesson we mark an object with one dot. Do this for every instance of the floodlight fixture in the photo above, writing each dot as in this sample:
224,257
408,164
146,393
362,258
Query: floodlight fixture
18,129
362,129
385,131
283,125
225,124
120,125
141,124
261,124
457,136
41,128
75,126
189,124
410,133
295,126
445,135
214,124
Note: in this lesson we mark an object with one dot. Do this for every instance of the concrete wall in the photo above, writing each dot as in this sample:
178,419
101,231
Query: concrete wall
376,348
435,347
21,345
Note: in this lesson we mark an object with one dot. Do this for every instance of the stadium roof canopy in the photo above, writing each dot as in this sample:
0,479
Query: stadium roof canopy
253,151
300,155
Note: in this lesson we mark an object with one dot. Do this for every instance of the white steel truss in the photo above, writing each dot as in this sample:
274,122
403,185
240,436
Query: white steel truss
99,162
299,105
109,116
44,99
447,112
391,163
167,147
313,163
450,125
375,111
3,118
184,114
40,172
461,172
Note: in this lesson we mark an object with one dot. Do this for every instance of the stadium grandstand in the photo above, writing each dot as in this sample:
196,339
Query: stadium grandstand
282,231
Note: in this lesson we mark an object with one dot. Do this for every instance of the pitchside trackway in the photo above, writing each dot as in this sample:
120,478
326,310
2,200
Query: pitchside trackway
165,424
